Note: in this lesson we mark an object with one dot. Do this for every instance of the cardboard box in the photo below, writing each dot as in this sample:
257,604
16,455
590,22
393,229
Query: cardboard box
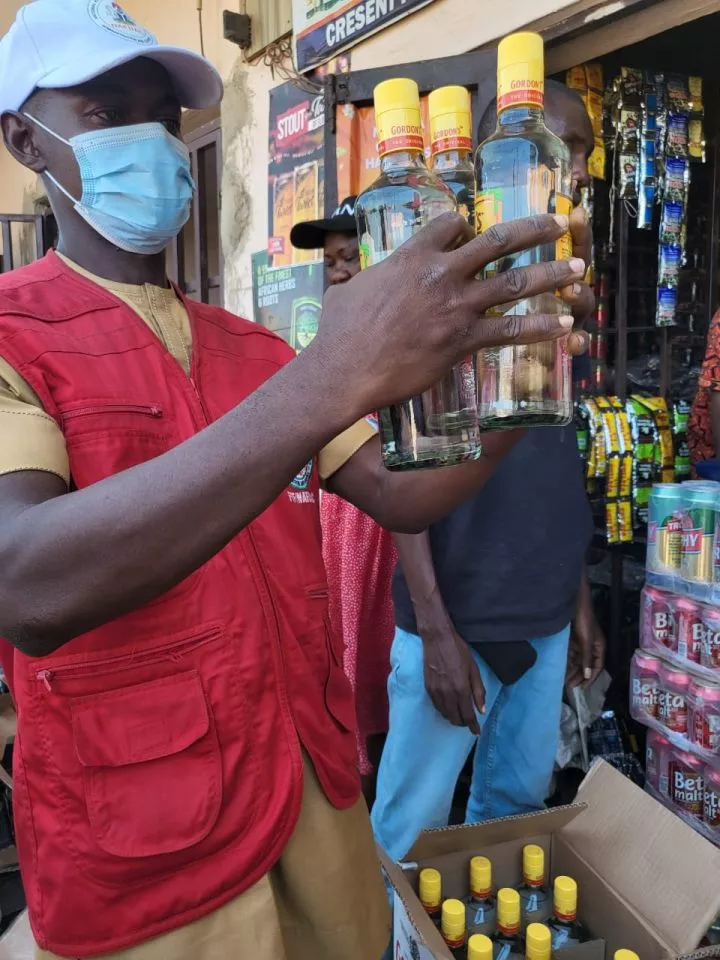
647,881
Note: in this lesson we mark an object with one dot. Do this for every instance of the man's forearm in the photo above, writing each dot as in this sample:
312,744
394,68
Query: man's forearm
76,561
416,561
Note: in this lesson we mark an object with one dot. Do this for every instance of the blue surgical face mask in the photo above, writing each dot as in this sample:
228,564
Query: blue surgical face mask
137,188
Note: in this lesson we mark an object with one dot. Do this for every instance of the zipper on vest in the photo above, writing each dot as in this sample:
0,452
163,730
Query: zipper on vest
143,409
47,675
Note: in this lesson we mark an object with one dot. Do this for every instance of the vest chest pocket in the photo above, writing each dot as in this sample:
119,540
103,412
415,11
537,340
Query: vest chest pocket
105,437
150,764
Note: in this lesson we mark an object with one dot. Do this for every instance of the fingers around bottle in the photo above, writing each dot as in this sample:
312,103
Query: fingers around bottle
504,238
577,343
444,233
513,330
523,282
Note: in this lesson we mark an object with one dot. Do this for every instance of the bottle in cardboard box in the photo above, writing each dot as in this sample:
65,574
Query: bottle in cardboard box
453,928
534,895
430,893
538,942
480,905
565,928
480,948
508,944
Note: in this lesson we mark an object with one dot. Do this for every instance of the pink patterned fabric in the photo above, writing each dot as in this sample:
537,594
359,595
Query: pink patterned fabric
360,558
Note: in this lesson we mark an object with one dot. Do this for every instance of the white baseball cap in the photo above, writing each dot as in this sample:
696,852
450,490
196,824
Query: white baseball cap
63,43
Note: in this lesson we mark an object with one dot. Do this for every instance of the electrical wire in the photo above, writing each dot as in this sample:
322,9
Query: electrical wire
200,25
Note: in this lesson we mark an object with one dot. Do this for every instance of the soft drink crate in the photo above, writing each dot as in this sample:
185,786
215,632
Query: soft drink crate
681,781
683,550
647,882
683,707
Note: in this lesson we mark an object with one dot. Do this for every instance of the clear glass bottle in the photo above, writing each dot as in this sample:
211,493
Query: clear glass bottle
534,895
480,904
564,926
438,428
538,942
523,170
453,928
430,893
449,109
508,941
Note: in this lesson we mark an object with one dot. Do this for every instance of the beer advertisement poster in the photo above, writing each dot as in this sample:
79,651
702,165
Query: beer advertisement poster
295,169
288,299
323,28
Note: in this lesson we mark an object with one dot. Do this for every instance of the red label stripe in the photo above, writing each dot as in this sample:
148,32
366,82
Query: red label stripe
522,97
452,143
405,142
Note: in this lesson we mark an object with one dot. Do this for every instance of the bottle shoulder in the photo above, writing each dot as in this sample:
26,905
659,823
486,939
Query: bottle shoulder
412,179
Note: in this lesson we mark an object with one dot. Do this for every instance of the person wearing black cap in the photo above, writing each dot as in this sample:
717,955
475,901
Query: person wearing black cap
359,554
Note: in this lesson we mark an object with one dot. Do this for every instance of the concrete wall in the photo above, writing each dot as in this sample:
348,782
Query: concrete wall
444,28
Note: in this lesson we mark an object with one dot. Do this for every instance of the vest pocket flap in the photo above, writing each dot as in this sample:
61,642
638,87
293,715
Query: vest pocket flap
140,723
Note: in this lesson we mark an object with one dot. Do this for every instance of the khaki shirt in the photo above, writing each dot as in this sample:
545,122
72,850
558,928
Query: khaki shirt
32,440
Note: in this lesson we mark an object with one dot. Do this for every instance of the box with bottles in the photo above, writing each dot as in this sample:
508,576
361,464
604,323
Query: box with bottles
616,867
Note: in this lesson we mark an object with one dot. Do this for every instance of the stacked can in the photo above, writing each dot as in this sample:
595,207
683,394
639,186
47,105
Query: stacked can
698,521
665,530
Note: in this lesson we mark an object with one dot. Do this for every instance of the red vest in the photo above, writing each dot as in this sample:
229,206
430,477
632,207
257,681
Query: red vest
158,771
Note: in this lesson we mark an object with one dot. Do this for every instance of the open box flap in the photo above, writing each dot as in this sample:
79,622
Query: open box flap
436,843
668,873
422,923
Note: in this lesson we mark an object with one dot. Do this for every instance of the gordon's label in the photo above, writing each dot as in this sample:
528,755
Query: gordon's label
563,248
450,131
399,129
520,85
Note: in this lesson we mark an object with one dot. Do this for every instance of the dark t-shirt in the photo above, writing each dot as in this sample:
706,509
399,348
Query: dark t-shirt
508,562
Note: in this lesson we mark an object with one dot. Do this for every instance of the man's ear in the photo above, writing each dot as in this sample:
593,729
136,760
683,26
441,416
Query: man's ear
18,136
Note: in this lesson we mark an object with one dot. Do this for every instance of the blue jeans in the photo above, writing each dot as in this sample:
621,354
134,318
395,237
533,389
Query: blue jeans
424,754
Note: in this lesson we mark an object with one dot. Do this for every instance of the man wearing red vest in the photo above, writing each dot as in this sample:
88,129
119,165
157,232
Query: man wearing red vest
186,781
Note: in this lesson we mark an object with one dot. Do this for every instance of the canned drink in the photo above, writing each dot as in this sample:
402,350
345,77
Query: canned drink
710,652
698,531
689,629
705,726
658,619
665,529
673,699
645,686
687,783
711,798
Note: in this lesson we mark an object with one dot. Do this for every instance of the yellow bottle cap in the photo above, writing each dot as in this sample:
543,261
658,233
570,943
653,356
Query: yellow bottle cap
397,116
479,947
480,876
508,910
565,898
453,921
533,863
449,109
626,955
538,942
521,71
430,888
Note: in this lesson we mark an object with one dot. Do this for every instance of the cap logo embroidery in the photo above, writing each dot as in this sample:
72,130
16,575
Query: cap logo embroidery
110,16
345,210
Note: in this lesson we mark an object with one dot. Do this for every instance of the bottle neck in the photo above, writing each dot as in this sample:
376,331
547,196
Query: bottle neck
480,896
536,884
564,917
450,160
402,160
512,116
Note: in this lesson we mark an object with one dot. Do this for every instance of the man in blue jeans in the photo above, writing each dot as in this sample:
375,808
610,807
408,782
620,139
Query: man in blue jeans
484,603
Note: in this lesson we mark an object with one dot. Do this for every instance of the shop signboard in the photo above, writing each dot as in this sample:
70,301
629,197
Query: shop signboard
287,299
322,28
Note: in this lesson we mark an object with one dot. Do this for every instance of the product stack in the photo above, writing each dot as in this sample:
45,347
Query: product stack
675,677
